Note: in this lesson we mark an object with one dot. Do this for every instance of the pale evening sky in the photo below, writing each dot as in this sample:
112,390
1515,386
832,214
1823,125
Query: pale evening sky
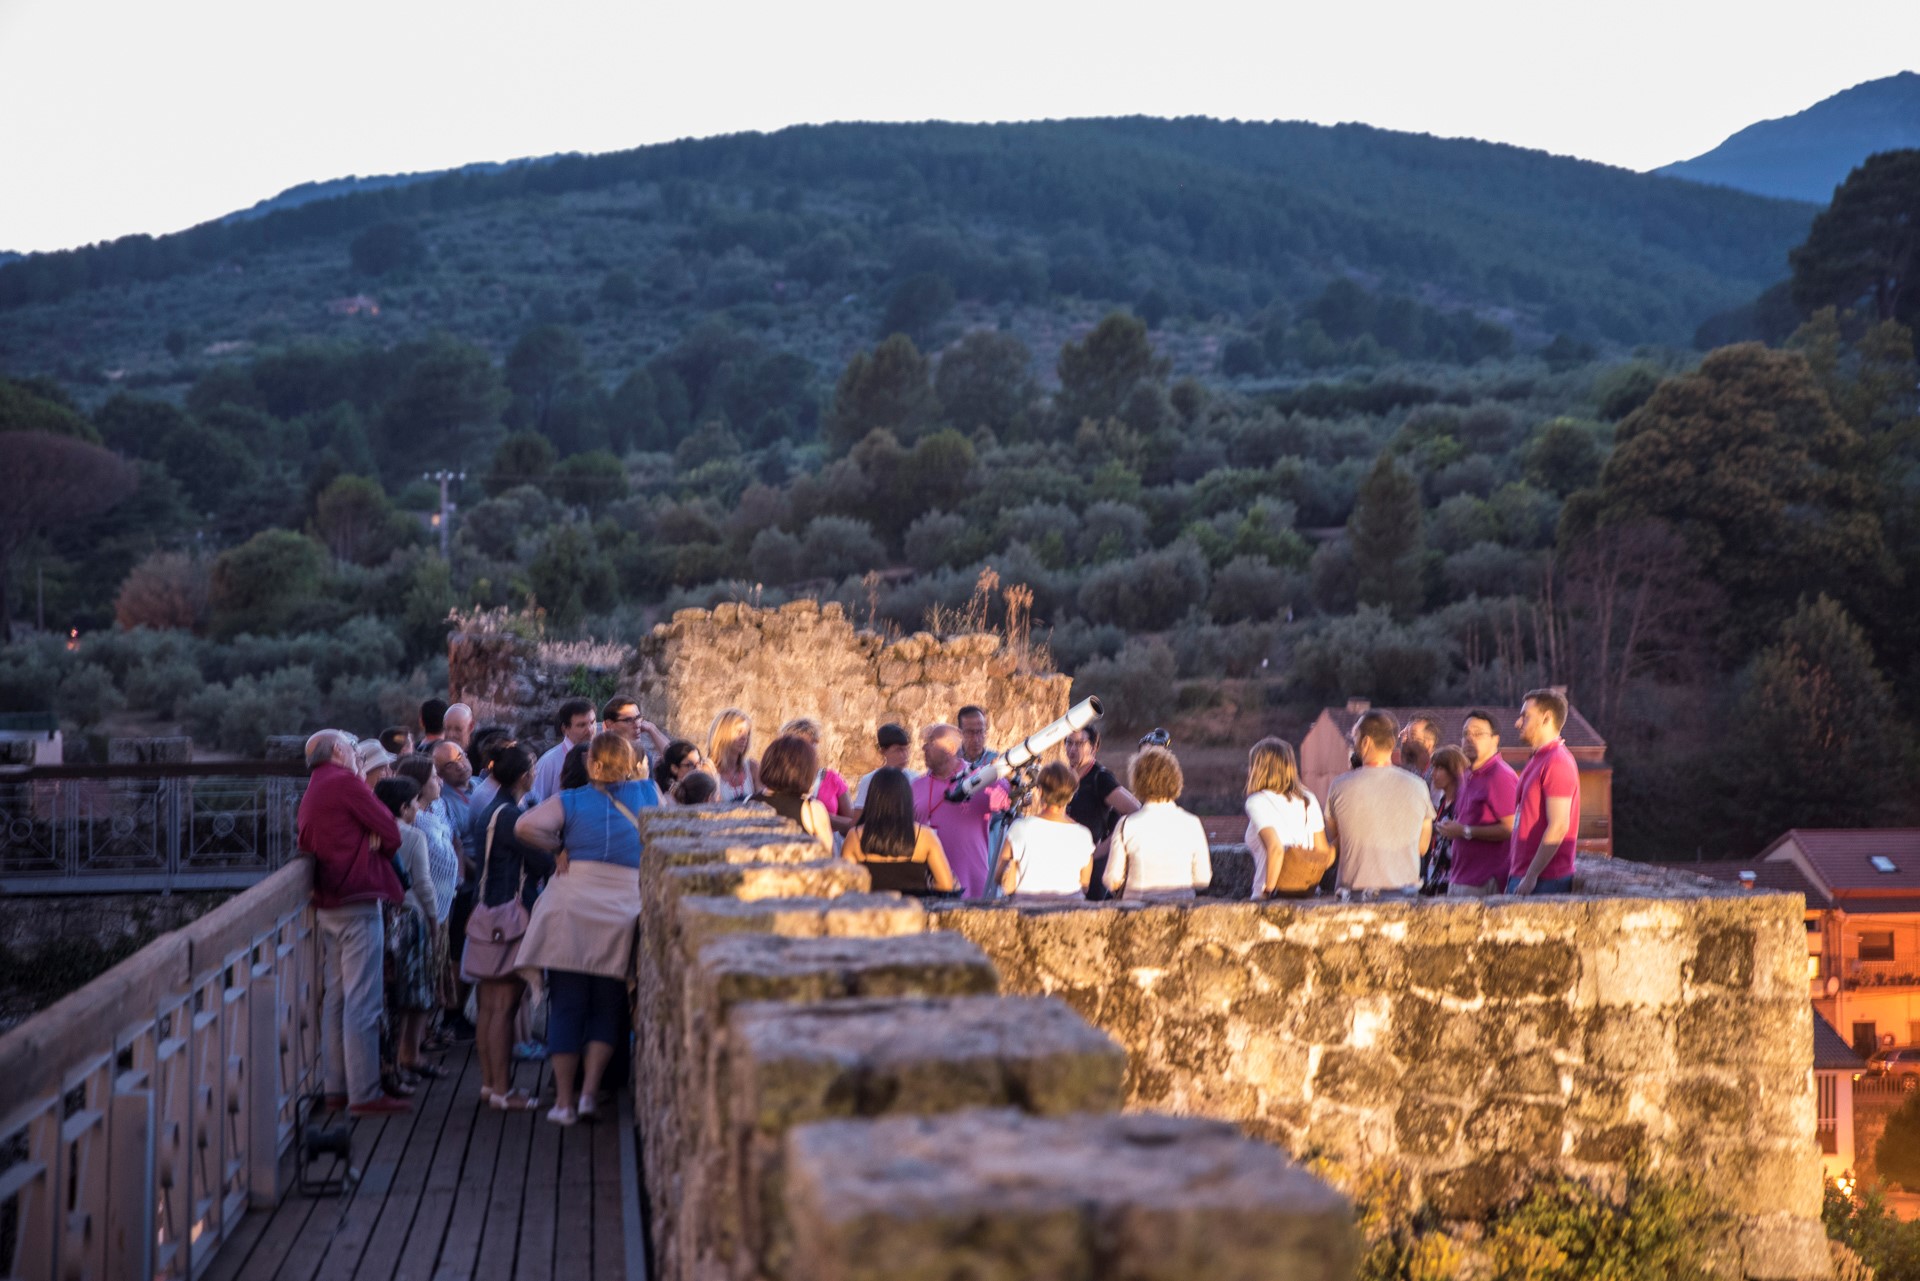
121,116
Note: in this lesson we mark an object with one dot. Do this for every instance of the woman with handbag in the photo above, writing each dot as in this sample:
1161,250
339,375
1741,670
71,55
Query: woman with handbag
1286,832
510,876
581,933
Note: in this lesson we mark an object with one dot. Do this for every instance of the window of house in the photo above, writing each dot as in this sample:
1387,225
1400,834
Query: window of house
1876,945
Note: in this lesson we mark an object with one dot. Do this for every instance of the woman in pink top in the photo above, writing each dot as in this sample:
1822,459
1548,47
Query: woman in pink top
830,787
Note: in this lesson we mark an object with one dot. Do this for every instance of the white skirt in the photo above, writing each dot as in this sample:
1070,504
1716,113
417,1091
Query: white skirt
583,922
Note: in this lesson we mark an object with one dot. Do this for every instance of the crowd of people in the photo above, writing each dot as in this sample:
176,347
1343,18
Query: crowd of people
464,884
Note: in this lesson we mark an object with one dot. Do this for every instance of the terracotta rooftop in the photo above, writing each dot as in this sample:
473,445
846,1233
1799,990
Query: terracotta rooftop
1772,877
1844,857
1577,732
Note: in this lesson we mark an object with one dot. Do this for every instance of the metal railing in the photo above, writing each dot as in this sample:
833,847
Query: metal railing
141,1116
114,828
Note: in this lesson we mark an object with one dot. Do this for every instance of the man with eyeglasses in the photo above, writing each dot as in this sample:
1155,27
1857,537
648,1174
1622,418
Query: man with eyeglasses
1483,811
621,715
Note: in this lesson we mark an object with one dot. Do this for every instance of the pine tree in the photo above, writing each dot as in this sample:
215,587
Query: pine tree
1388,534
1814,738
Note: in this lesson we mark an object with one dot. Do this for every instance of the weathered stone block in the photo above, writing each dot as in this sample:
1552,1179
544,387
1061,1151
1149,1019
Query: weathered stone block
1001,1195
829,879
1426,1127
1365,1077
1724,958
849,916
869,1057
1477,1189
1512,970
760,967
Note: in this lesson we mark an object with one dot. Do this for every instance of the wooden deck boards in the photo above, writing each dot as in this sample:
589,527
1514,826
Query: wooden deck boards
451,1192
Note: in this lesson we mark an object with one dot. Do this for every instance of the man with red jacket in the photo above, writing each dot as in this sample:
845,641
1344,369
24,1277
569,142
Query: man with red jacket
351,838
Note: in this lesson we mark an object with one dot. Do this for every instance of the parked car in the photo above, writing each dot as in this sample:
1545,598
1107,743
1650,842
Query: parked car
1897,1063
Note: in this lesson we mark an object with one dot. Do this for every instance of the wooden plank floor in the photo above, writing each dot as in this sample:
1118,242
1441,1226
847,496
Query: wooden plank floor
451,1192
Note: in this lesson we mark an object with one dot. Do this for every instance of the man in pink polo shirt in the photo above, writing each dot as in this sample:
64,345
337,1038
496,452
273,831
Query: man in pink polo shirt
1483,812
1546,819
960,825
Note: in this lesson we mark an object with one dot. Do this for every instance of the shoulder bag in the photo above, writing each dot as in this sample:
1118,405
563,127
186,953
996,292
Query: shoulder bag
494,933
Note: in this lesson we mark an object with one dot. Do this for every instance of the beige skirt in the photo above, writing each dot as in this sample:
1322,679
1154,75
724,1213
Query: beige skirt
583,922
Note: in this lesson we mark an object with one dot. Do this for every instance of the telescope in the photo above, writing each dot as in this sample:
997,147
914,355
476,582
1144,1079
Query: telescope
1026,751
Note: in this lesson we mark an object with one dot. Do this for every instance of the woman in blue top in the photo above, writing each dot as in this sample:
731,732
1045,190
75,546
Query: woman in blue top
581,931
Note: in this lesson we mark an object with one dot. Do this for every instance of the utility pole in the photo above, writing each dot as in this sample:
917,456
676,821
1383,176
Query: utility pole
444,519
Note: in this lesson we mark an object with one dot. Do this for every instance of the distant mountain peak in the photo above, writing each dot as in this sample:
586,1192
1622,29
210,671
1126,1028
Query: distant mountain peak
1806,155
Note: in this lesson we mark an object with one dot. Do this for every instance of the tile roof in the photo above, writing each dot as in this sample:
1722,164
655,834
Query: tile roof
1842,856
1577,732
1782,877
1831,1052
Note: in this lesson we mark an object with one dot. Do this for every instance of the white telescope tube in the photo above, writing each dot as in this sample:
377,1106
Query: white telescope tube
1079,716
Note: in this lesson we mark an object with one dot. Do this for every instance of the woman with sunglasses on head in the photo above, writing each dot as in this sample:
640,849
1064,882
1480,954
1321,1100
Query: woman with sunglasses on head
677,760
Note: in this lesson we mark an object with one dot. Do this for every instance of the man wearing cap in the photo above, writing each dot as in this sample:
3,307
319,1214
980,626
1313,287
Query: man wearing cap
896,752
351,837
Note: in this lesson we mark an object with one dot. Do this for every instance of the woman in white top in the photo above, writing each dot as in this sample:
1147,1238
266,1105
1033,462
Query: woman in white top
1159,851
728,743
1049,855
1286,833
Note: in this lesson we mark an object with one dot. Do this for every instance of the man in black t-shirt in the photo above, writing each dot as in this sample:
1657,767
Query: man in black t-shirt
1098,803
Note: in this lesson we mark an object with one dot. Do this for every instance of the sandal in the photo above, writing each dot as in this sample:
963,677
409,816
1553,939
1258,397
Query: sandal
515,1101
561,1116
589,1105
486,1097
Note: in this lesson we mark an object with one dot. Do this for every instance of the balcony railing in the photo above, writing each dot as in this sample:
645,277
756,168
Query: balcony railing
1871,974
141,1116
80,828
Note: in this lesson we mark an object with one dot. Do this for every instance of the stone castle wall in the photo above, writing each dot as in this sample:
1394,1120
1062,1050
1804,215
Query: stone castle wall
1475,1045
826,1090
802,659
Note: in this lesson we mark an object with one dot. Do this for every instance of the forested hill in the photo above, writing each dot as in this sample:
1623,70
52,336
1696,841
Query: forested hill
813,231
1806,155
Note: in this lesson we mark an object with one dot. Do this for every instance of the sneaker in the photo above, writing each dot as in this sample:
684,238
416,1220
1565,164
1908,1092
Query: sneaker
561,1116
381,1107
589,1105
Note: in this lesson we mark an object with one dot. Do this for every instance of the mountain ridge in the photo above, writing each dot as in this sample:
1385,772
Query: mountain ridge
1217,222
1804,156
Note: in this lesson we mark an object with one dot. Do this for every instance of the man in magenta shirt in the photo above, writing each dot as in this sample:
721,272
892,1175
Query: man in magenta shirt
1546,820
960,825
1483,812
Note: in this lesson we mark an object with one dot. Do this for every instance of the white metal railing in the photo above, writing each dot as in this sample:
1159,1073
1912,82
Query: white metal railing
141,1116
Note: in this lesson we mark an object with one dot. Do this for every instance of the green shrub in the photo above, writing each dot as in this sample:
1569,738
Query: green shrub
87,696
1897,1155
161,686
1866,1226
1368,654
1136,687
1565,1231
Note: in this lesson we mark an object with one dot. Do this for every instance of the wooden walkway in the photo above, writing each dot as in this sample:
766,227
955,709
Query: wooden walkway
457,1192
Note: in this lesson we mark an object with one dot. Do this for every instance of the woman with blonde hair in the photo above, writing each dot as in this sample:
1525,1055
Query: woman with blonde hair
728,743
1286,832
1160,850
829,785
581,931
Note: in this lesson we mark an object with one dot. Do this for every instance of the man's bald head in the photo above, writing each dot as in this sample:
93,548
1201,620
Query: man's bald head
330,747
451,764
458,723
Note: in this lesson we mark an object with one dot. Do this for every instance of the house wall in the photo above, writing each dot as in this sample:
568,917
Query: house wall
1476,1045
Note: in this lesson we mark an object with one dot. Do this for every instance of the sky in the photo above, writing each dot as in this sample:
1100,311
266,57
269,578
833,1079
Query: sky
123,116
